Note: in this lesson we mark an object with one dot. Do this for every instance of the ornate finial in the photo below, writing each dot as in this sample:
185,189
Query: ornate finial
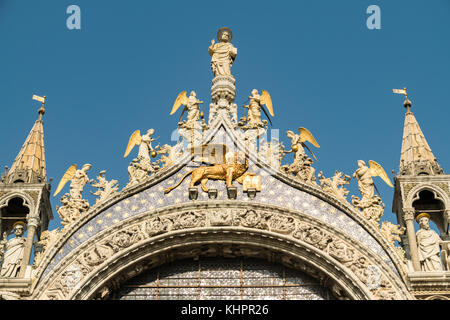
41,110
407,103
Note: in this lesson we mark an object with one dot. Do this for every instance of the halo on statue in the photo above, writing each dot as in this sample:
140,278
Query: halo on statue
423,215
221,30
23,224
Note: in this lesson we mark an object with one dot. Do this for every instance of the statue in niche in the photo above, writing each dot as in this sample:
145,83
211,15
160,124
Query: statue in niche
223,53
428,245
14,251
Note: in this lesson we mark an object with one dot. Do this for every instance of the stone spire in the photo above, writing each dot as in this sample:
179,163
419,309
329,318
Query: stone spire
29,165
416,156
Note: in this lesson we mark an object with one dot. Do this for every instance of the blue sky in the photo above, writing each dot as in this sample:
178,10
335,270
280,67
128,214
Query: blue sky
324,69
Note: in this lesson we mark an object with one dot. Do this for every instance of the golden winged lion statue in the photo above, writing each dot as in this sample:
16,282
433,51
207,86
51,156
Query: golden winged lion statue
234,169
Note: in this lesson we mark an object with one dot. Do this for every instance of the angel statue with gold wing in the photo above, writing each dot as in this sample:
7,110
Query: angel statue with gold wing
145,145
302,165
298,142
191,105
257,101
73,203
370,204
140,167
78,179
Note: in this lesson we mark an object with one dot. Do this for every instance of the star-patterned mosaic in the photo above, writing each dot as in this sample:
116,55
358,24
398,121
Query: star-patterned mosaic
273,192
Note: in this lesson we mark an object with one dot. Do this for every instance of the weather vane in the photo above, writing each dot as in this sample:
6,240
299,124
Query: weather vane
406,103
400,91
41,110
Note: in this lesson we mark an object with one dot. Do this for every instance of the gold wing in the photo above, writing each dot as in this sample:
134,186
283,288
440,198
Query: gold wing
265,99
66,177
210,153
377,170
135,139
305,135
181,99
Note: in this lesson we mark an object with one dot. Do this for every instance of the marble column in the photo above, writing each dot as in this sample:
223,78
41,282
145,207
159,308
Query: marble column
408,216
32,223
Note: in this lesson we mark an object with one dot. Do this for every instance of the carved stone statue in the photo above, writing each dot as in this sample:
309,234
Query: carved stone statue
254,112
142,166
145,147
253,119
272,152
170,154
73,203
365,181
71,209
193,109
14,252
223,53
370,205
139,171
192,106
428,245
302,165
298,143
391,231
302,169
335,185
46,241
79,181
105,188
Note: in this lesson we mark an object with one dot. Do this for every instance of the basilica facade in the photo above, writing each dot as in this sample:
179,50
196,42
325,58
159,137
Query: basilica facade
222,215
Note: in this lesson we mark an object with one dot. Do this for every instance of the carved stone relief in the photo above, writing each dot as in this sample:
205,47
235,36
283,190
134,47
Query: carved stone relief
360,262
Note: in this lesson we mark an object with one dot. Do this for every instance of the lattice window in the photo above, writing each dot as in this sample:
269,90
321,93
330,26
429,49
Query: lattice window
222,279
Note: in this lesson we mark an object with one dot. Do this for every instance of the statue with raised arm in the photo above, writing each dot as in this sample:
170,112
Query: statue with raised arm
170,154
192,106
365,182
140,167
253,119
370,204
73,203
335,185
78,179
223,53
428,245
105,188
145,145
14,252
301,168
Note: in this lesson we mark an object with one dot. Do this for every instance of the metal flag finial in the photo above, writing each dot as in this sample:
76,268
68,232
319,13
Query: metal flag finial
407,102
41,110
